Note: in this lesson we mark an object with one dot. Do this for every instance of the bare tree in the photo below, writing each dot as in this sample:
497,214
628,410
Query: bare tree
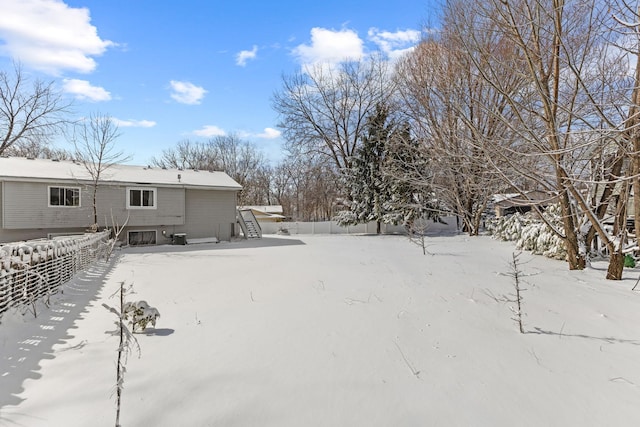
259,191
189,154
30,112
323,108
94,141
568,106
306,187
240,159
37,150
626,15
452,112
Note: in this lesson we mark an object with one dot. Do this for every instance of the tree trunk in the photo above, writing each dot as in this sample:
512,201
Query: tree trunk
604,200
574,257
635,136
469,218
616,265
636,195
378,227
616,255
94,227
477,219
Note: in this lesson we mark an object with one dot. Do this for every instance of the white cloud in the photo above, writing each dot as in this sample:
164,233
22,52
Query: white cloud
83,90
135,123
209,131
50,36
245,55
394,44
330,46
187,93
269,133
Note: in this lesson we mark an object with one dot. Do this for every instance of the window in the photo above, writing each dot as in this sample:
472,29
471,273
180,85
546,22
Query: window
64,196
142,237
141,198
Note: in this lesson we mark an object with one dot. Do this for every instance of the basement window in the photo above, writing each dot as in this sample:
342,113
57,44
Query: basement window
137,238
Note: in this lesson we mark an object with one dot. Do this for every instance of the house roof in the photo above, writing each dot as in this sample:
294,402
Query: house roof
265,212
268,209
22,169
529,198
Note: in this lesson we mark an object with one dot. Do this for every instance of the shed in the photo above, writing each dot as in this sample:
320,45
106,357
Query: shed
266,213
507,204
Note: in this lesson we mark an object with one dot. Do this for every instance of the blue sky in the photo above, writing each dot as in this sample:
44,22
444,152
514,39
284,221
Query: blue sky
168,70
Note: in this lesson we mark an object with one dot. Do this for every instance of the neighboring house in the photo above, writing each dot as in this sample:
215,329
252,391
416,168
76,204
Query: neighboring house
44,198
507,204
270,213
596,195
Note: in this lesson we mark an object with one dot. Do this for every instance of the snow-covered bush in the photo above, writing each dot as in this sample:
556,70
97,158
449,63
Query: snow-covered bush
139,314
346,218
538,238
508,228
531,233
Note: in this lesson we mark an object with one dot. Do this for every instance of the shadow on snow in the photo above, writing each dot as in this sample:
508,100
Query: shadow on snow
265,242
25,345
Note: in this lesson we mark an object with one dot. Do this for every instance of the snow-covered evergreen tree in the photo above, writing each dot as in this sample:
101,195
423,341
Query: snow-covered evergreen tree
382,182
369,191
408,174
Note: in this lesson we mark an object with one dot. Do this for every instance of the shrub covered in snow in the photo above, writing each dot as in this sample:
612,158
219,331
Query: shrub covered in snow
531,233
139,314
508,228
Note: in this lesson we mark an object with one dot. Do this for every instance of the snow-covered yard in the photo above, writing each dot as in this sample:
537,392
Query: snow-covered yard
333,331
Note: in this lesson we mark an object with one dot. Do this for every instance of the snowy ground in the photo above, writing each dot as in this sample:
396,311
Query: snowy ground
333,331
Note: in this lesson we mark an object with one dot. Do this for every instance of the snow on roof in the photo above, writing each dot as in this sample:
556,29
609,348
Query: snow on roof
528,198
22,169
500,197
269,209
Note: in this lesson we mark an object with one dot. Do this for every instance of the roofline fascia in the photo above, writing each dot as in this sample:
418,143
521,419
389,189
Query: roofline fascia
120,183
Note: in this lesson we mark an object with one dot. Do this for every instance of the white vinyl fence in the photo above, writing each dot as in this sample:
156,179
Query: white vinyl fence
446,224
328,227
36,269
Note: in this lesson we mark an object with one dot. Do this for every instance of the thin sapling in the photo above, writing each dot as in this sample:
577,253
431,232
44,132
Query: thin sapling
516,275
127,341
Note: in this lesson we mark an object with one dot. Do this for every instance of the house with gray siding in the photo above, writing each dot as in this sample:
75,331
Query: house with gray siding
43,198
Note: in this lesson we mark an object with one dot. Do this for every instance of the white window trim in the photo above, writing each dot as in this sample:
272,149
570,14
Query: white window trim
155,197
49,187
